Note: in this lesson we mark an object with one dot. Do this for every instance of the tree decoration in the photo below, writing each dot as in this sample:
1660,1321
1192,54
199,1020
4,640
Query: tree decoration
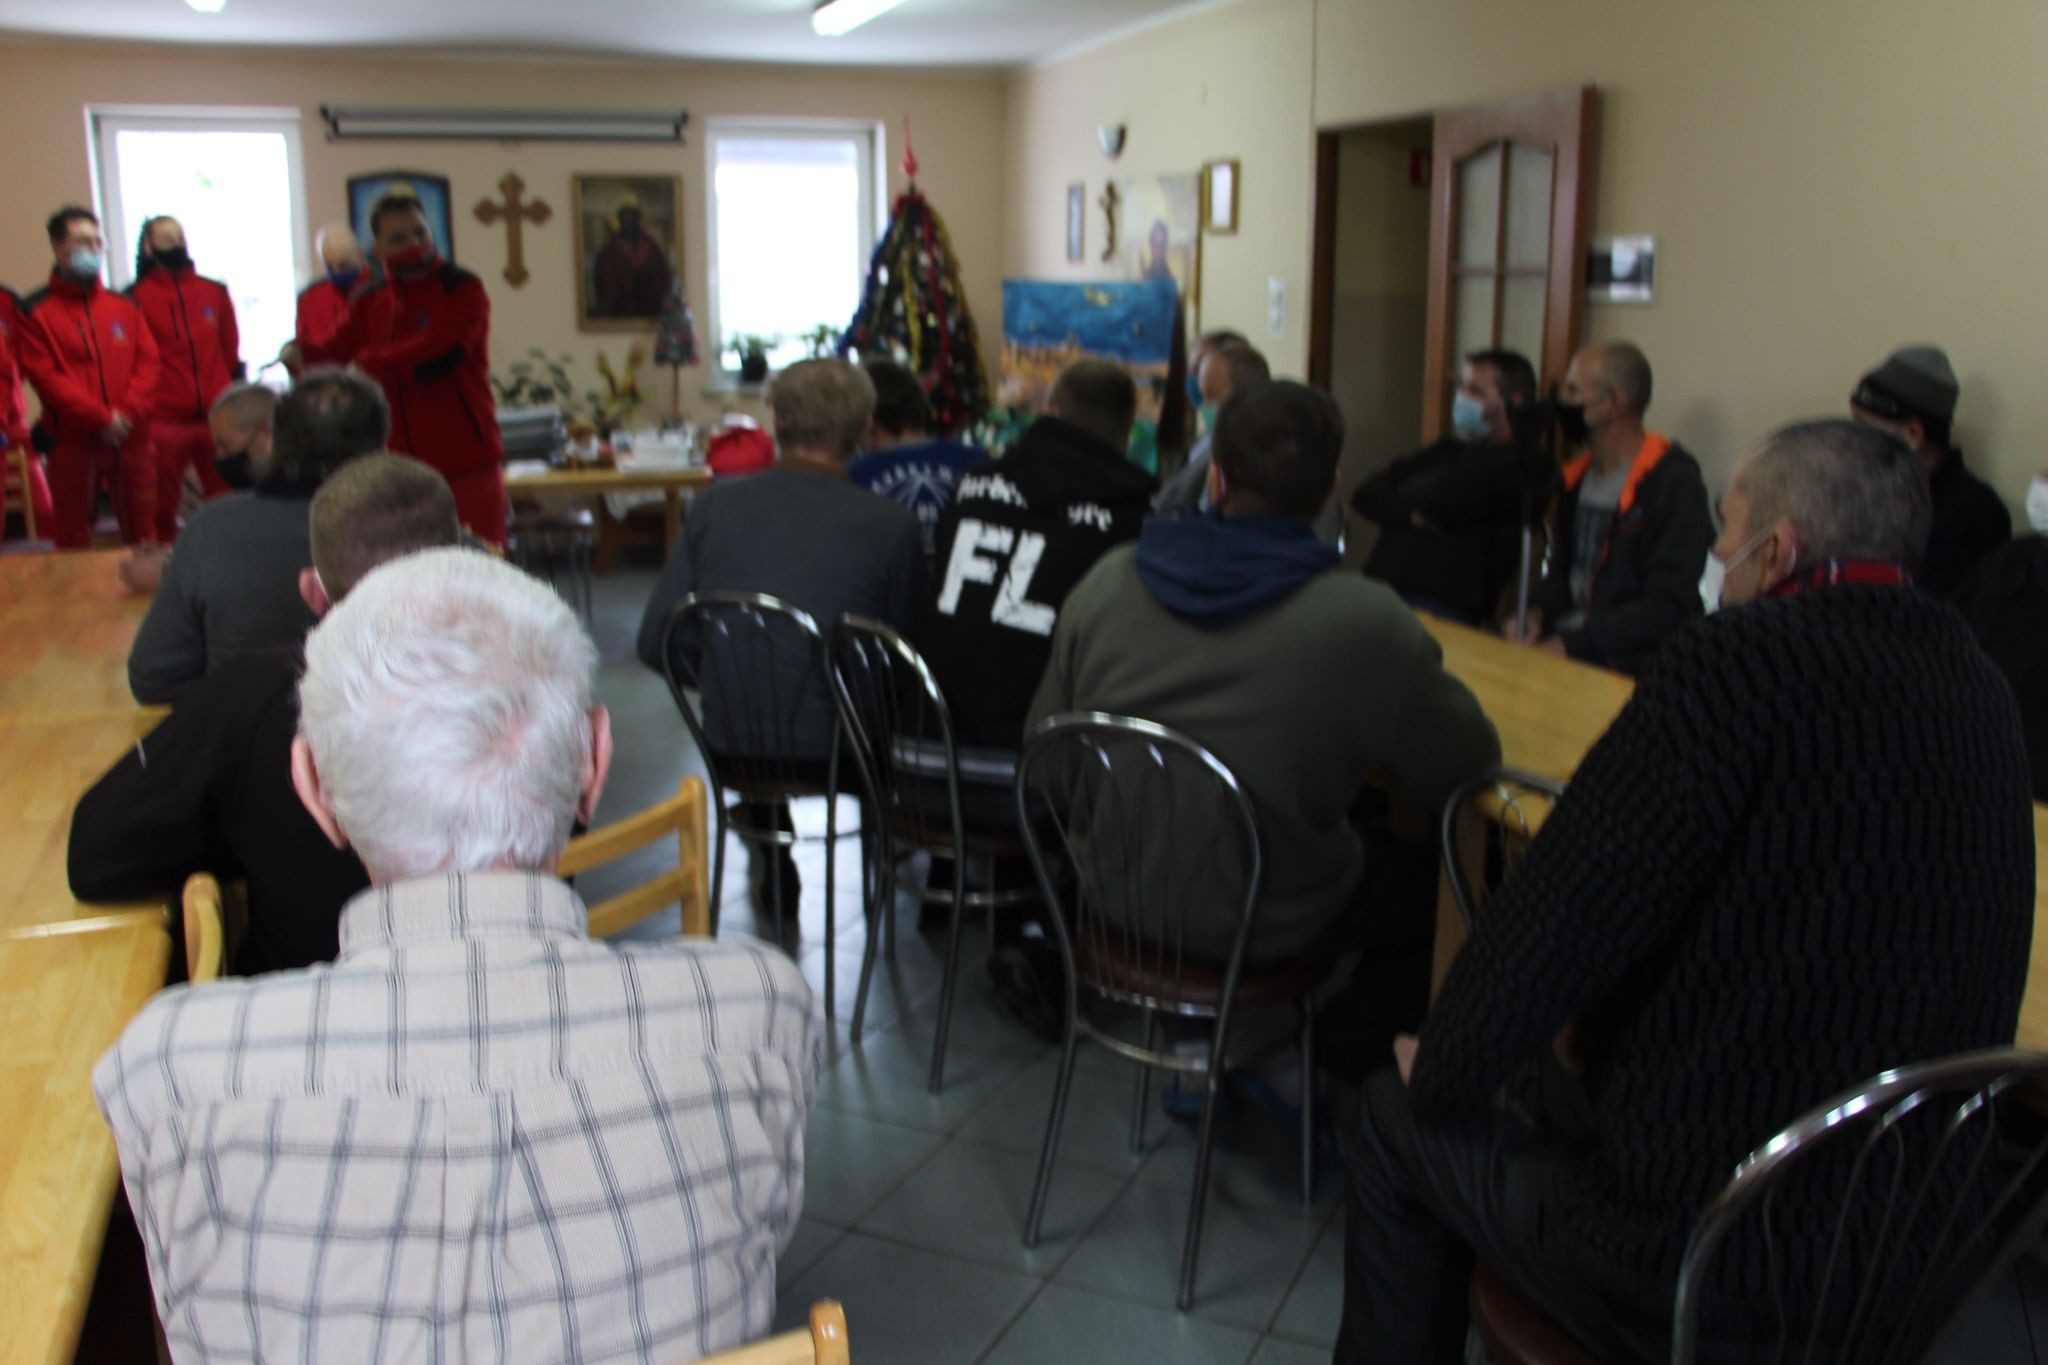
914,308
675,341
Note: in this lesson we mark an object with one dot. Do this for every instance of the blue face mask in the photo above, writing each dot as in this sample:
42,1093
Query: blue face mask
344,280
1194,390
1468,417
1208,415
83,264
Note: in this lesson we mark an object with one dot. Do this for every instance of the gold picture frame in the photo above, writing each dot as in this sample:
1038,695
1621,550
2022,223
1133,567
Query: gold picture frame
624,272
1219,197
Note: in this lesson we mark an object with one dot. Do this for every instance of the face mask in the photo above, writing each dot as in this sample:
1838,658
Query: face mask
83,264
236,470
173,257
1571,420
408,260
1194,390
345,280
1715,576
1208,413
2037,505
1468,417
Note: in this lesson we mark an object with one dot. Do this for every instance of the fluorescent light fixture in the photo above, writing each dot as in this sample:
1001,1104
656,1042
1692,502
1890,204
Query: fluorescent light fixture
208,6
835,17
503,125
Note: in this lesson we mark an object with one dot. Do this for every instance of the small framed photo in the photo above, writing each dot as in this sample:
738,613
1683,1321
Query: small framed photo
1219,198
1622,269
1077,220
431,190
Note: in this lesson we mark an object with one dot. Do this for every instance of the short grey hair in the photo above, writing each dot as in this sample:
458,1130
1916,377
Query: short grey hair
246,405
822,405
1626,370
1851,492
446,701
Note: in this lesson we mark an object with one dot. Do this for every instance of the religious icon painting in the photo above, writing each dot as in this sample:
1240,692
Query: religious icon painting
364,192
628,249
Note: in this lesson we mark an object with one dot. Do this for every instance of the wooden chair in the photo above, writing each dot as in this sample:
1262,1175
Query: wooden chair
682,816
205,938
19,483
823,1343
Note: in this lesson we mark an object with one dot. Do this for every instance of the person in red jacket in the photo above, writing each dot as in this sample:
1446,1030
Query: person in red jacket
94,364
193,321
323,304
14,431
424,334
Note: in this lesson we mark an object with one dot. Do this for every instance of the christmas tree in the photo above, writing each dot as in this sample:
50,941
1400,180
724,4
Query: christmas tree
914,310
675,341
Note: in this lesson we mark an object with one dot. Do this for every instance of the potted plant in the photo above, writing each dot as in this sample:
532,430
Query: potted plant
752,353
822,341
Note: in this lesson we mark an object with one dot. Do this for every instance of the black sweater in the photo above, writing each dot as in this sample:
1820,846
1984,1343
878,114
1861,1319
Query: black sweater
1471,497
1802,854
210,790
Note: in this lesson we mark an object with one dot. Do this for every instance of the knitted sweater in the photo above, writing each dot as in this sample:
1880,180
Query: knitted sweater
1802,854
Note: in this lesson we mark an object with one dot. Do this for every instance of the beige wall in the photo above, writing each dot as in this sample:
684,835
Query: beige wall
956,121
1228,82
1826,179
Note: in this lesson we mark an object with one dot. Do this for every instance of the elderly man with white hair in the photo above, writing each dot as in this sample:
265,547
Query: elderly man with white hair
478,1135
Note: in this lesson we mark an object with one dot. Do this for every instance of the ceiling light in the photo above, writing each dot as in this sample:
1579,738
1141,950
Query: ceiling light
208,6
835,17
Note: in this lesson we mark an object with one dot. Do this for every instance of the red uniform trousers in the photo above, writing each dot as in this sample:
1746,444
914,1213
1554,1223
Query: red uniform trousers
80,466
179,446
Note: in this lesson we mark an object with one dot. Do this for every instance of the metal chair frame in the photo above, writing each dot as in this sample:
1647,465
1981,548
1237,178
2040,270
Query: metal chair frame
1089,736
1888,1303
575,545
900,729
759,776
1514,818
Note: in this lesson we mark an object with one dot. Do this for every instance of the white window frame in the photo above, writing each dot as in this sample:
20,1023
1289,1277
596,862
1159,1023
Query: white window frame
869,138
105,121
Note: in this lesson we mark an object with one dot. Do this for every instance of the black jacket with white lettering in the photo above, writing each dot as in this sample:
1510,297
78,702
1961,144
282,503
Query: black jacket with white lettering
1021,532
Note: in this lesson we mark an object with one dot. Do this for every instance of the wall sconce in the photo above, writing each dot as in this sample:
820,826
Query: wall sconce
1111,138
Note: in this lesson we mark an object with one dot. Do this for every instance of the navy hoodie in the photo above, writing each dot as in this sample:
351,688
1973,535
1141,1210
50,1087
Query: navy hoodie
1213,571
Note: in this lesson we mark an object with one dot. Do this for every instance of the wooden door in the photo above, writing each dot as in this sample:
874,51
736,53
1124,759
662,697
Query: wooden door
1511,195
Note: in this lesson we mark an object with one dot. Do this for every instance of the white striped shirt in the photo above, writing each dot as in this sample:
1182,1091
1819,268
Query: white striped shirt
477,1136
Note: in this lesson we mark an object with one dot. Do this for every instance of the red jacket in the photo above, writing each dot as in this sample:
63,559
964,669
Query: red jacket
322,311
13,398
427,342
90,354
193,321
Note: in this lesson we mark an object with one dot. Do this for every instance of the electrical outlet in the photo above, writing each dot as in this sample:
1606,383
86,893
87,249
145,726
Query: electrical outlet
1276,307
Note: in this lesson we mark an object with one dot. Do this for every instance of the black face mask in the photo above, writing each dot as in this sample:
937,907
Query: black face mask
1571,421
236,470
173,257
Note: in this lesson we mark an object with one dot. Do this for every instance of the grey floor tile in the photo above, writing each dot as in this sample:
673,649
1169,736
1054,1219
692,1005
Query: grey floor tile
1274,1351
905,1306
811,1240
898,987
980,1023
1065,1325
885,1075
1097,1130
1316,1306
1249,1255
851,1163
1257,1161
973,1201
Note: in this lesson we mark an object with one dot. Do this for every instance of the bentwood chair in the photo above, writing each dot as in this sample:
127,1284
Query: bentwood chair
205,936
681,818
1928,1181
822,1343
901,732
539,539
748,672
19,484
1157,849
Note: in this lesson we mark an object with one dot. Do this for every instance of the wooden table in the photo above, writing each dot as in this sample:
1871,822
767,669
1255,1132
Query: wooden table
1550,711
596,483
64,998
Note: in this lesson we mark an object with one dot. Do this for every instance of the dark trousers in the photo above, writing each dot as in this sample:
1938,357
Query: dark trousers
1425,1199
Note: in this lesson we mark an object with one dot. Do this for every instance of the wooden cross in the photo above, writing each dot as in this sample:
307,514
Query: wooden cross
516,214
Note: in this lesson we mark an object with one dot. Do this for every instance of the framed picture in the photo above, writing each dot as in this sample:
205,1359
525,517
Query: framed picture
431,190
1219,198
1622,269
1161,218
628,248
1077,220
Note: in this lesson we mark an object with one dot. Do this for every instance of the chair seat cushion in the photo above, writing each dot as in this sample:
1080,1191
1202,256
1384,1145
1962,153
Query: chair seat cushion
1514,1331
1190,983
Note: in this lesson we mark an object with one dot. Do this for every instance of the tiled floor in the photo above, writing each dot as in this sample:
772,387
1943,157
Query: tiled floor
915,1204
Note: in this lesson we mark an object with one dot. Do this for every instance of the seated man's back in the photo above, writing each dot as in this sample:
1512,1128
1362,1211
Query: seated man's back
1235,629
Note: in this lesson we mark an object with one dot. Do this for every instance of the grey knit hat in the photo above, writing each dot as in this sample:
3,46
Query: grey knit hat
1914,381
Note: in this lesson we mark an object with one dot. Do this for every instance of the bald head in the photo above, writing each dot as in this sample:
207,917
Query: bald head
338,247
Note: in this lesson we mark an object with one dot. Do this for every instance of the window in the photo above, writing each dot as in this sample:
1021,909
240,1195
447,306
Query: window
793,217
232,178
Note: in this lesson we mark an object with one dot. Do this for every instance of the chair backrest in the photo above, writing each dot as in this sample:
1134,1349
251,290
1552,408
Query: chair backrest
748,672
18,483
1162,848
822,1343
687,884
205,937
1928,1180
1515,803
897,723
